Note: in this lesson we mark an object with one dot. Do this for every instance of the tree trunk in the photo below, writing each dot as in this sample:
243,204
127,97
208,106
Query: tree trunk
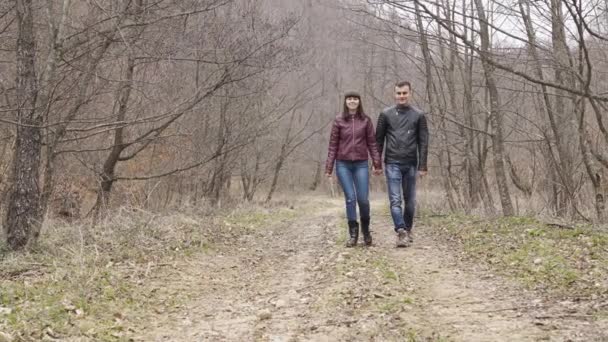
435,108
219,176
596,174
495,112
516,178
317,178
564,124
281,158
24,213
472,165
109,166
548,105
275,177
55,135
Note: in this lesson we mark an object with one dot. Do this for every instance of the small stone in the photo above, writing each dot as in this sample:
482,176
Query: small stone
537,261
280,303
264,315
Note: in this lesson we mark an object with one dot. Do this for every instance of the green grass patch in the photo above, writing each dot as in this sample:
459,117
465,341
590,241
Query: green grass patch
563,261
393,304
385,269
251,220
64,307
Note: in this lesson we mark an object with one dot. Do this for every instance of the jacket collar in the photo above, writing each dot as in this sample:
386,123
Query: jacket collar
348,116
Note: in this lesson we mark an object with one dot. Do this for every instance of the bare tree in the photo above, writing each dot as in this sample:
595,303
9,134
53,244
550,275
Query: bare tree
24,214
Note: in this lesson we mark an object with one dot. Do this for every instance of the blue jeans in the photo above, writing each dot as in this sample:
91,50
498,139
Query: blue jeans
401,181
354,179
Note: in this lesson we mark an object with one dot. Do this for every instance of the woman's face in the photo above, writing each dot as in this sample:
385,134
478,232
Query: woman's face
352,103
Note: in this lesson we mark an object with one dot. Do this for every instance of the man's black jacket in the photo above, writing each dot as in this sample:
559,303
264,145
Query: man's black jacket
402,132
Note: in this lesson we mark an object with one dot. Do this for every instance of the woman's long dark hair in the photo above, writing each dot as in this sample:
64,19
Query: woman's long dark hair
360,112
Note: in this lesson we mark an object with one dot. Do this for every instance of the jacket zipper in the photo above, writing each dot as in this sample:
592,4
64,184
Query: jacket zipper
352,147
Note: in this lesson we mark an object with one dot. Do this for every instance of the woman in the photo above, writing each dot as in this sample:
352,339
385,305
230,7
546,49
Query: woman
352,138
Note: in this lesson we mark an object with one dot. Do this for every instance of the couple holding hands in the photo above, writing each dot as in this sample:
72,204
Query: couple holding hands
402,133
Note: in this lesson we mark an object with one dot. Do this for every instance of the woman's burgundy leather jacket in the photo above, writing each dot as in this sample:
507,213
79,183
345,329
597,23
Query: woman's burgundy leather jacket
352,137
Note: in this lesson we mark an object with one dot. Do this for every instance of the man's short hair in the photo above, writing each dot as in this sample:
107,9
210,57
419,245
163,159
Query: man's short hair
402,84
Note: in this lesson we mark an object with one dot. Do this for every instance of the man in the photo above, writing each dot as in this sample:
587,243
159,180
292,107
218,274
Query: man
402,133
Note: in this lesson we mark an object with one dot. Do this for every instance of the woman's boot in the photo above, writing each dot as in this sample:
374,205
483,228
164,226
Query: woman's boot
353,232
367,236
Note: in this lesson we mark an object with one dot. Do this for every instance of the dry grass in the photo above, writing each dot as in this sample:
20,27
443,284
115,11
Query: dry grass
433,199
82,281
85,282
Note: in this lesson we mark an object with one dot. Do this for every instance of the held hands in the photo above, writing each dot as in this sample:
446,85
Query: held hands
378,172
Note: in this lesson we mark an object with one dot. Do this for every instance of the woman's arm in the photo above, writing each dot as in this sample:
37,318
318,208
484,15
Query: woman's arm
372,145
380,133
334,144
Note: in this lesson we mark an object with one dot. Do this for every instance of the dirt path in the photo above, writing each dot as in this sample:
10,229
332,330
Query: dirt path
296,282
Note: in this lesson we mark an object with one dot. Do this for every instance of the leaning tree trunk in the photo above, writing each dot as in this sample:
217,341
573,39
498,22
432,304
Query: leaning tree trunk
472,164
281,159
24,214
524,9
109,166
565,127
317,178
59,131
275,177
495,112
596,174
435,107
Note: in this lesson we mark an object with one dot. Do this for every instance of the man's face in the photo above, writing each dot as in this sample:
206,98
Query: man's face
402,95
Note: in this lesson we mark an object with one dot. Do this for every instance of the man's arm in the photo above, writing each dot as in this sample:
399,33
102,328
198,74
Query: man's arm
423,143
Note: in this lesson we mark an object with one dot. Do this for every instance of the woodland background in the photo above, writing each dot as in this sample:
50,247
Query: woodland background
161,104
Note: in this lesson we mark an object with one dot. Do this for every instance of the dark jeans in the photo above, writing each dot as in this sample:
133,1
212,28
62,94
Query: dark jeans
354,179
401,181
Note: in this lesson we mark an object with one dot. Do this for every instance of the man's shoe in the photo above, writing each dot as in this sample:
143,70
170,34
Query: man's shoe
402,240
410,236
